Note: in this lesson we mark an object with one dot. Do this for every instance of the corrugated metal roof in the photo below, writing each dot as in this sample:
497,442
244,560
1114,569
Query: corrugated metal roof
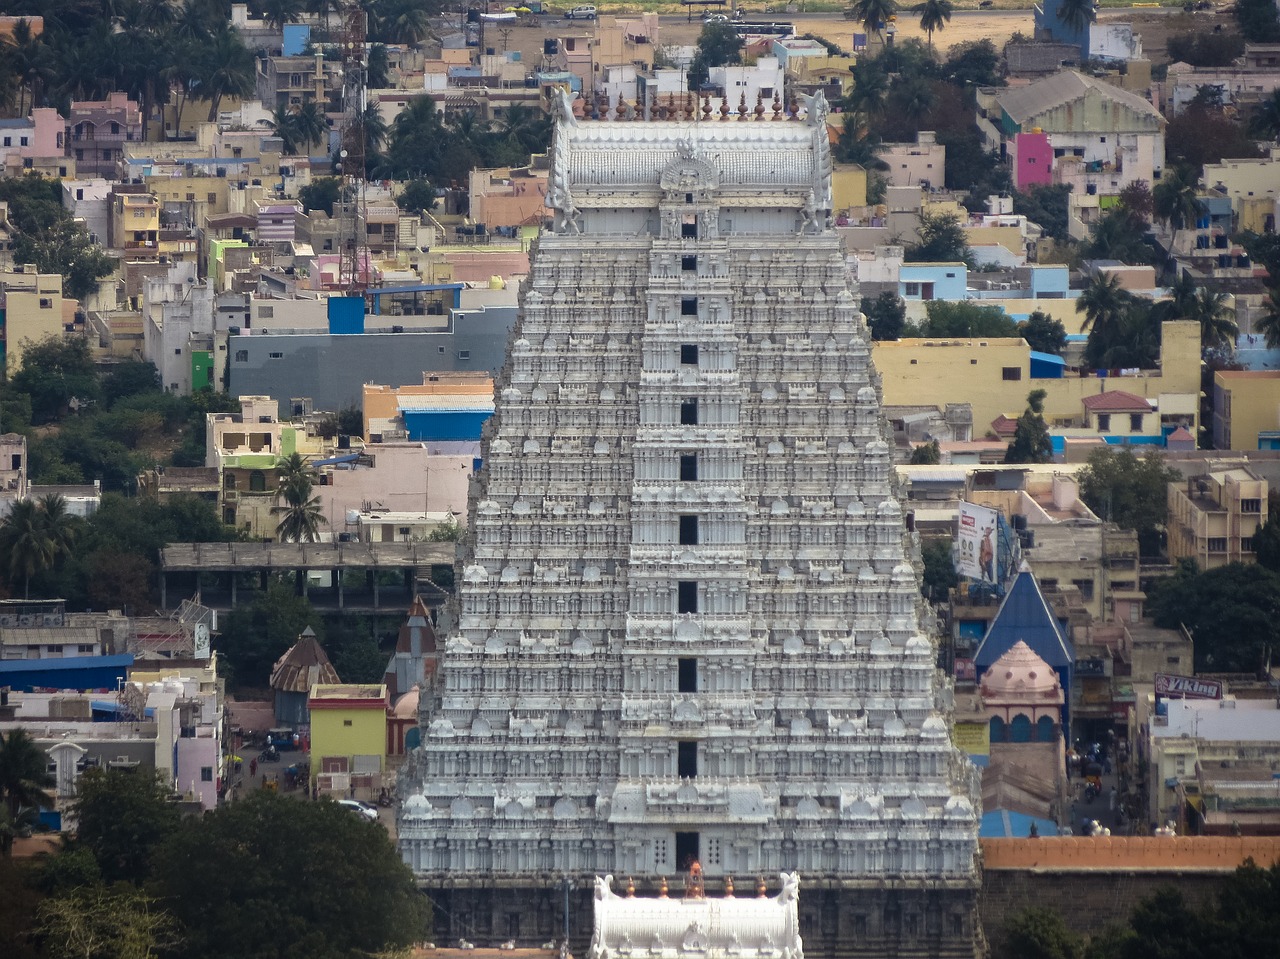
1027,102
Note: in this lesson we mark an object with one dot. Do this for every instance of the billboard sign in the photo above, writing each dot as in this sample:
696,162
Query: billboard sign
1187,687
977,542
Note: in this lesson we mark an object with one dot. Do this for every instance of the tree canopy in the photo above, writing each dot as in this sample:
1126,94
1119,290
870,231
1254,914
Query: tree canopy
121,817
964,318
1232,613
942,240
312,881
886,315
1131,491
1031,441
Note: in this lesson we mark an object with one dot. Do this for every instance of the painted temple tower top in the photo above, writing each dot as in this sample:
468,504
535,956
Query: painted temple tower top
687,624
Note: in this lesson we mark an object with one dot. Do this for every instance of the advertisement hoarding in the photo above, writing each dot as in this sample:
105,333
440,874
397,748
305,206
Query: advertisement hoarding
976,543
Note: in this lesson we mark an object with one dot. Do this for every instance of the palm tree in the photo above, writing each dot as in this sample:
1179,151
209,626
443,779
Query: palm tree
1269,324
873,14
401,21
24,538
1104,303
933,13
226,69
29,62
279,12
1217,320
1264,122
60,527
300,513
24,779
299,127
1182,295
1175,202
1077,14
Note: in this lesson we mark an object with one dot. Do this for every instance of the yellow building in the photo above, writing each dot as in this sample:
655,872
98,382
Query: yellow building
135,224
1214,517
992,375
31,309
348,736
848,186
1246,410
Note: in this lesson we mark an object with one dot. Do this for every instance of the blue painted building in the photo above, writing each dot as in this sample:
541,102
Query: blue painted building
933,281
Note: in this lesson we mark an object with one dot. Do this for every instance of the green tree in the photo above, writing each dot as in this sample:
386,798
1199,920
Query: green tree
54,372
1205,48
1200,134
26,544
1118,235
280,12
1104,303
1043,333
24,779
965,318
886,315
1264,120
1232,612
933,15
224,68
257,634
1040,933
926,454
973,63
941,240
1259,20
939,569
363,901
95,922
1031,442
300,513
1045,205
418,196
1269,323
321,194
1266,544
378,67
1217,320
1130,491
718,45
300,127
873,14
1136,199
121,817
1175,202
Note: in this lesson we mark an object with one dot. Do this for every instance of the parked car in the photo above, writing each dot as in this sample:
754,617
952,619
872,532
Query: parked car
581,13
363,808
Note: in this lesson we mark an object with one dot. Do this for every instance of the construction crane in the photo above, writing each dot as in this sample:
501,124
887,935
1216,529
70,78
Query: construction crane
355,67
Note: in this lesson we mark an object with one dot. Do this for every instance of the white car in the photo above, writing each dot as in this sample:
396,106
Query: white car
363,808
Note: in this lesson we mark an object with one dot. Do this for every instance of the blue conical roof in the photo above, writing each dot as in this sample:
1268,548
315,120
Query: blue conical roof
1025,615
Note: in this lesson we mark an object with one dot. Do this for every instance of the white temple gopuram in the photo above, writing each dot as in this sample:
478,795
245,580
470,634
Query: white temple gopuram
687,623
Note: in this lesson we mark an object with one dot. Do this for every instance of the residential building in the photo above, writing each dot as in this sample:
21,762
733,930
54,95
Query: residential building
1246,409
1242,84
634,525
443,407
509,198
23,140
81,500
1214,517
13,471
135,224
178,327
97,131
292,81
1214,759
932,281
1253,186
994,376
31,309
166,482
348,738
1103,137
411,478
923,163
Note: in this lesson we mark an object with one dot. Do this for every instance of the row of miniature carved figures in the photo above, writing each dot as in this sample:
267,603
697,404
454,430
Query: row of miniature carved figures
687,109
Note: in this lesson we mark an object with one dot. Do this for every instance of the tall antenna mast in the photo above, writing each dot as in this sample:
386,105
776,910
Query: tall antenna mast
354,100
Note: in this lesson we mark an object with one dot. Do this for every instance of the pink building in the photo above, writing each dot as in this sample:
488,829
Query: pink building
398,477
1032,158
23,140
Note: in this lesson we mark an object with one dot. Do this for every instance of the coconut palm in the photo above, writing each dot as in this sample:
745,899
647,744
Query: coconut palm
1104,303
873,14
280,12
1269,323
30,62
299,127
24,780
1182,295
61,528
1175,203
24,539
225,69
300,513
1077,14
1217,320
933,14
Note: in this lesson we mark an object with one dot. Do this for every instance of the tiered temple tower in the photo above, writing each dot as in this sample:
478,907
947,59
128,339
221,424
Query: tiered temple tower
687,623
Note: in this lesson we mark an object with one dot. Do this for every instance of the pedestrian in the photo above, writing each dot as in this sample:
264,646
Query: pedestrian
1112,799
253,768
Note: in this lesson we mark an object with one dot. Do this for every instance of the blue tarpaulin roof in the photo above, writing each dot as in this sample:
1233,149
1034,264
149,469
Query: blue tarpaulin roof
1005,823
72,672
1025,615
